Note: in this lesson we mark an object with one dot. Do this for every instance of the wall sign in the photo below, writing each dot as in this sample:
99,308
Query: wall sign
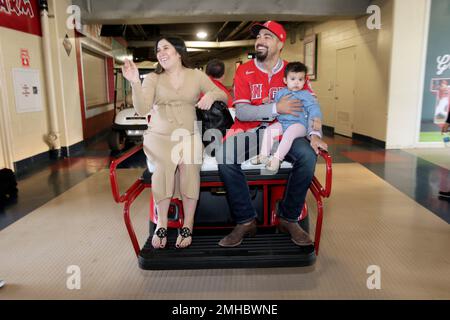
67,45
310,54
21,15
27,90
25,57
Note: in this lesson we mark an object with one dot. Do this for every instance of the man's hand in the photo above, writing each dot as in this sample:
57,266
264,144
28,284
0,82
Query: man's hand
445,128
288,106
317,143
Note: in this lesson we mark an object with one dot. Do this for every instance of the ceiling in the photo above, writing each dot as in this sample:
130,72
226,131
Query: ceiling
228,22
141,38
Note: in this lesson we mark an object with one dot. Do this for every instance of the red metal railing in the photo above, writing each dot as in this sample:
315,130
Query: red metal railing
119,198
138,186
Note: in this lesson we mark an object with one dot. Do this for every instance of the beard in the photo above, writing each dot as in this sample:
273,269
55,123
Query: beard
262,55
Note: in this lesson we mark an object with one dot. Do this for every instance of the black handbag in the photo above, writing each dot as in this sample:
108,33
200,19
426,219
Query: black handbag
217,117
8,185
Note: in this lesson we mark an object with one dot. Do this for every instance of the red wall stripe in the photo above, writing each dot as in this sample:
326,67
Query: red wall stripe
80,82
110,67
21,15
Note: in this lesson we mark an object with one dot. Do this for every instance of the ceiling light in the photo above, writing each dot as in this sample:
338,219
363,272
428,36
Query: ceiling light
202,34
195,49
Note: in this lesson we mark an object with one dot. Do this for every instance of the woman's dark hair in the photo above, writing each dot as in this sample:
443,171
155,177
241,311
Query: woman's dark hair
295,67
179,46
215,68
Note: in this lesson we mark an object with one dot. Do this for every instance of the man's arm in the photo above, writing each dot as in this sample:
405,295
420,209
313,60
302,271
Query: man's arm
284,104
248,112
313,110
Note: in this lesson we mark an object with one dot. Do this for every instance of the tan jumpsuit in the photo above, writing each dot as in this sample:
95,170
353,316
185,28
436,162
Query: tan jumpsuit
173,136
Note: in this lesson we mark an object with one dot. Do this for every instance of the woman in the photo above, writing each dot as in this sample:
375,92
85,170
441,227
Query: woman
171,95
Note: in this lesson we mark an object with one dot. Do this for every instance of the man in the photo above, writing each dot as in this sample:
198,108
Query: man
215,69
255,85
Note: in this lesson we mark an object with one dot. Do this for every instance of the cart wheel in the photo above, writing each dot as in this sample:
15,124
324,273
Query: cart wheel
116,140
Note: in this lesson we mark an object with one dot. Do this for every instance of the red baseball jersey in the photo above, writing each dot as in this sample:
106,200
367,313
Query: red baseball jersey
252,85
224,89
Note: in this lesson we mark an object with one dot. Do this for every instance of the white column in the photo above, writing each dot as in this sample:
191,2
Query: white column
410,32
53,136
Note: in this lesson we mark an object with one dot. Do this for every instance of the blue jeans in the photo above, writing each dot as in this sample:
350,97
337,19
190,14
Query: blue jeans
303,159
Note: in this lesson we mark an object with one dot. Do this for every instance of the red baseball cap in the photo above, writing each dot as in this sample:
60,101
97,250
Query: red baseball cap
273,27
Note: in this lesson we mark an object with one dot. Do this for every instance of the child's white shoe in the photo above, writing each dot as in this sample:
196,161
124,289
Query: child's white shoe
273,165
259,159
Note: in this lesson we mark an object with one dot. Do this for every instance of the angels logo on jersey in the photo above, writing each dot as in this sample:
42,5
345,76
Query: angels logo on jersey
256,91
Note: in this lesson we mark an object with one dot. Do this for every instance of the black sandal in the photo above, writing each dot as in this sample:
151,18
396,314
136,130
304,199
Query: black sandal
161,233
185,233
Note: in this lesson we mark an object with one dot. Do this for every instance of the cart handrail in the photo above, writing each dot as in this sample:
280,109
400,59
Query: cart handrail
324,192
135,190
119,198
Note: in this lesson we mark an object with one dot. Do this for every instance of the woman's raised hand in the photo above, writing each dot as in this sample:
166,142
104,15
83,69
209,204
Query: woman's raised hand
130,71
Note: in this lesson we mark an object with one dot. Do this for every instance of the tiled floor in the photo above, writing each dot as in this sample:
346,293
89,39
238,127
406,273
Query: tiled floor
378,226
439,157
420,174
384,211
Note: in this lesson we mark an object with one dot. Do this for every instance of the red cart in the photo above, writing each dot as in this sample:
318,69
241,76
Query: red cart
213,219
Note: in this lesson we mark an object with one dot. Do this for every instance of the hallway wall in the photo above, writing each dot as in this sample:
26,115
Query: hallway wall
373,51
66,78
373,48
28,130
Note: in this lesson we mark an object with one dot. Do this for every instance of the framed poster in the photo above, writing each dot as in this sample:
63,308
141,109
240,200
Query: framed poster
436,92
310,54
27,90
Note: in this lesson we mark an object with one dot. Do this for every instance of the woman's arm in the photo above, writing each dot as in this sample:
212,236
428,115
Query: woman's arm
144,94
211,91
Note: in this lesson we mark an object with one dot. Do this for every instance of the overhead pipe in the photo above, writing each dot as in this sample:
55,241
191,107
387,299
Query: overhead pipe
216,36
53,137
236,30
245,31
199,44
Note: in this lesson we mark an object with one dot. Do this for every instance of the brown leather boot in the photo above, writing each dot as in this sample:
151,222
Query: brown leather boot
298,236
237,235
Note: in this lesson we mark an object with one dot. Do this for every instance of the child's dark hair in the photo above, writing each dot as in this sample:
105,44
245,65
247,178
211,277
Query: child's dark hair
295,67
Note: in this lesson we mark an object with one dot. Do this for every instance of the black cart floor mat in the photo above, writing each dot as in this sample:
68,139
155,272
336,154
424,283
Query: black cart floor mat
262,251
